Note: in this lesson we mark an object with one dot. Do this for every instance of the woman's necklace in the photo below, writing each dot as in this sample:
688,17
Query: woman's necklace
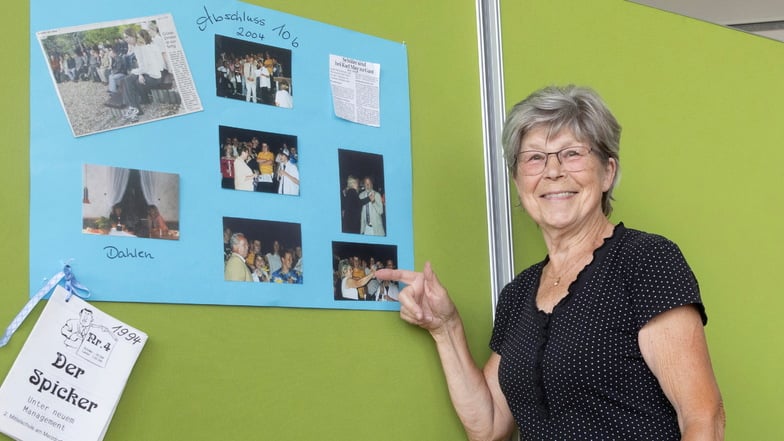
583,259
566,271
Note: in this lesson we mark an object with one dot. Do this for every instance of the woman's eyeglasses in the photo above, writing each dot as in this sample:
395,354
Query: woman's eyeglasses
533,162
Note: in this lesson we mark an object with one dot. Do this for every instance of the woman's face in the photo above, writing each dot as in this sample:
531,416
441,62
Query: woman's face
556,198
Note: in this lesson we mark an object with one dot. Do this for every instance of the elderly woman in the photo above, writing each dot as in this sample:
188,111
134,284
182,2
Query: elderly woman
349,286
603,339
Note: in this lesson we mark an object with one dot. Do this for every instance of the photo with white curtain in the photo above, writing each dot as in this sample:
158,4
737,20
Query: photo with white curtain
128,202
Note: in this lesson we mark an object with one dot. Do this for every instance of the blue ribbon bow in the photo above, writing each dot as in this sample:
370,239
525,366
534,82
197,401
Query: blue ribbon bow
71,285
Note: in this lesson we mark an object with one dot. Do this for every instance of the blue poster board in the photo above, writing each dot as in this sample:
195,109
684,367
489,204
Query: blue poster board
90,153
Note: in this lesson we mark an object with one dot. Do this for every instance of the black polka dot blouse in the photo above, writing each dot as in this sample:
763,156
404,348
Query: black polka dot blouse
577,373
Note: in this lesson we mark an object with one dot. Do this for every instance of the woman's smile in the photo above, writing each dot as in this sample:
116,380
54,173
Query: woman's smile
559,195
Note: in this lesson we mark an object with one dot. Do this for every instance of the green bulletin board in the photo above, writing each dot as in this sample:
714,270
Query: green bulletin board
700,163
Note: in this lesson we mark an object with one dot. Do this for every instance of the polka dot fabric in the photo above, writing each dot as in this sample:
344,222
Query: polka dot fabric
577,373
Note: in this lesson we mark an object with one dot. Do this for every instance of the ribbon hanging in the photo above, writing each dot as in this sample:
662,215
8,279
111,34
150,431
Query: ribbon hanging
71,285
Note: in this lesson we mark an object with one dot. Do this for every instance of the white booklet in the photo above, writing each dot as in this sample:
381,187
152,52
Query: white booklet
67,380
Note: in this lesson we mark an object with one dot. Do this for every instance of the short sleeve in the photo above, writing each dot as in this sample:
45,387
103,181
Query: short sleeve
501,321
662,280
511,304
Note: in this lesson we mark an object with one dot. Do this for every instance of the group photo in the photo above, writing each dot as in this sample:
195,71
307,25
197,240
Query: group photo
257,250
253,72
354,267
253,160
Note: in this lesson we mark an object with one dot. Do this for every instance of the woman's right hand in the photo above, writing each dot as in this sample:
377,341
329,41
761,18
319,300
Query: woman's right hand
424,301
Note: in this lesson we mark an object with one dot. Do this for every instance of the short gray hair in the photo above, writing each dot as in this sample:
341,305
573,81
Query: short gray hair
578,109
235,240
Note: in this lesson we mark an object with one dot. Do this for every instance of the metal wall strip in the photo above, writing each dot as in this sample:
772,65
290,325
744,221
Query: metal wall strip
496,175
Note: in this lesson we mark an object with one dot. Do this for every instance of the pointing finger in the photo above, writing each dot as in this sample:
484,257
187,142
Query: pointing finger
405,276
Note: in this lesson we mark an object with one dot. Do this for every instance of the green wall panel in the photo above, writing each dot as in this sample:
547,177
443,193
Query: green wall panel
701,162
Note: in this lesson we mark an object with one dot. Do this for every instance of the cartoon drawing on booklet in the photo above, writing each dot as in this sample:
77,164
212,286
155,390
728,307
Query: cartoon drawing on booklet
91,341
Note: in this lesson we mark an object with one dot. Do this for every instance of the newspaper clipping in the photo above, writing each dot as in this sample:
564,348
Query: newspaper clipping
121,73
355,89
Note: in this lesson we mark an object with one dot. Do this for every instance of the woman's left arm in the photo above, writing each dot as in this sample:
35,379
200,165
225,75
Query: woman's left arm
674,347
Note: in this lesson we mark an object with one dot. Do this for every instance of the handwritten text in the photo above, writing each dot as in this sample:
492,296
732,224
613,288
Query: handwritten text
209,18
116,253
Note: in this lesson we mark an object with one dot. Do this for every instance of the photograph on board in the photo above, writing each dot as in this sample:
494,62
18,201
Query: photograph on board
262,251
253,72
353,269
117,74
130,203
253,160
362,197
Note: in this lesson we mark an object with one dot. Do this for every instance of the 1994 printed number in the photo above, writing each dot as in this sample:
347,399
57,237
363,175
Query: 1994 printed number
127,334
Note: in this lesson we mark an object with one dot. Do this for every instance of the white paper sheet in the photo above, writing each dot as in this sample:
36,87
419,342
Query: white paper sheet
67,380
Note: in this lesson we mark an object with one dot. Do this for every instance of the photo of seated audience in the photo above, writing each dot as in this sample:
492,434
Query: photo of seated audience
362,197
252,72
262,251
111,77
252,160
353,270
130,203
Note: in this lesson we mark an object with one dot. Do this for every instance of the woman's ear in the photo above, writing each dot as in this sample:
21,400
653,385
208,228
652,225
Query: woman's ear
609,174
